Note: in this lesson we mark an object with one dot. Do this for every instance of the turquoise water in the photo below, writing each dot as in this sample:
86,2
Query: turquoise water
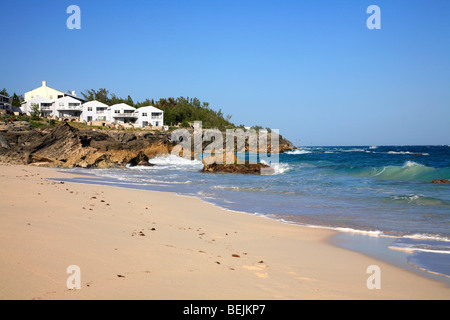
381,191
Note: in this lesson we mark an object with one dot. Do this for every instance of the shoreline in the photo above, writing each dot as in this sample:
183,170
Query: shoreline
204,252
379,243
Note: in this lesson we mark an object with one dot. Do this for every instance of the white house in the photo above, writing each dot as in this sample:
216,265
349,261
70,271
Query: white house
96,111
150,116
67,108
123,113
45,106
45,92
49,93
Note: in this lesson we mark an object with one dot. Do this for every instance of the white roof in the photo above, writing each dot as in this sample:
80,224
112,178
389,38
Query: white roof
67,99
39,99
122,106
95,103
149,109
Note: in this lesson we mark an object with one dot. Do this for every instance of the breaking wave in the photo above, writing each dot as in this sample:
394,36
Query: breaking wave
175,162
298,151
409,171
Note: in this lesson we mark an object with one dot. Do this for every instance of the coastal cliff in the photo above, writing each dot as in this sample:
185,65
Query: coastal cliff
65,146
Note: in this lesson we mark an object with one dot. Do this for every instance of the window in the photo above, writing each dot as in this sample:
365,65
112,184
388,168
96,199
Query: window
89,109
71,104
144,114
89,119
116,111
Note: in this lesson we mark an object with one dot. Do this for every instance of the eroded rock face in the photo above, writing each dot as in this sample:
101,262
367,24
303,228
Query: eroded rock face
67,147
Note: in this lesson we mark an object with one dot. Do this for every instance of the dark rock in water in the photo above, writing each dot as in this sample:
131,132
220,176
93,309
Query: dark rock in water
246,168
210,166
140,160
441,181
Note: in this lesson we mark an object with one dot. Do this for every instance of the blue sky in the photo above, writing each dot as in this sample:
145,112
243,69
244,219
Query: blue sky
311,69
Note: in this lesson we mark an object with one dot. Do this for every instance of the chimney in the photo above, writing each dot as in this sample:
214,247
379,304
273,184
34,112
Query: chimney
44,83
73,93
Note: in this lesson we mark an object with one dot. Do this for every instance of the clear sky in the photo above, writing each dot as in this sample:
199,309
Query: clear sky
311,69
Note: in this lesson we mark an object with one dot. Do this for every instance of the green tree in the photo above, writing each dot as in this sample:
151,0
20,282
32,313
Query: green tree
35,112
17,100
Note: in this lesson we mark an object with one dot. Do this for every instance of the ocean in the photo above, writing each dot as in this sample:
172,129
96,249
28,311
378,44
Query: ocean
370,191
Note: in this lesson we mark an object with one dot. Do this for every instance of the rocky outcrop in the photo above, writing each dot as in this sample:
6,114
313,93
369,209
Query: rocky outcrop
441,181
246,168
67,147
16,126
210,165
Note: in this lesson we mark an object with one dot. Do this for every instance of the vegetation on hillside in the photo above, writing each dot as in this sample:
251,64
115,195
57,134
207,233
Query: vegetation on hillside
176,110
16,99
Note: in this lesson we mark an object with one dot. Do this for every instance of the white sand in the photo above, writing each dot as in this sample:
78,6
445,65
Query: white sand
196,250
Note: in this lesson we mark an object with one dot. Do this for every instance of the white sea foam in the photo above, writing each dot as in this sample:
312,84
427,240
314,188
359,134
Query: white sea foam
298,151
384,169
408,152
409,164
371,233
176,162
409,198
419,236
278,168
413,248
352,150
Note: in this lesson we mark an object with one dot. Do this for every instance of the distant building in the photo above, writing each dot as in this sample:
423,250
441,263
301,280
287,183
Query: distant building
150,116
44,92
67,108
49,93
45,106
94,111
5,103
123,113
59,105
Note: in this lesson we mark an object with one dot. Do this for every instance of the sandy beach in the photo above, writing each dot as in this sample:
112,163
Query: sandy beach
134,244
